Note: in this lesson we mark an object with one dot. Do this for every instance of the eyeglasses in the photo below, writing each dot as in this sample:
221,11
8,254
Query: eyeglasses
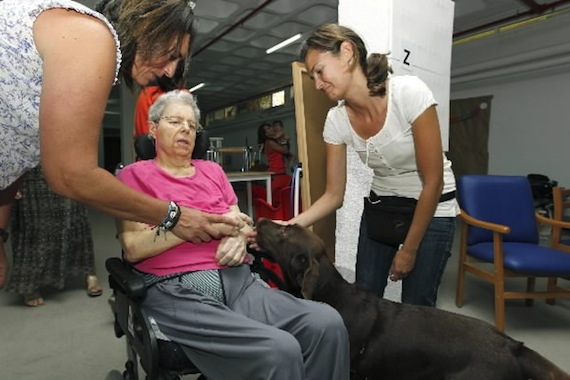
177,122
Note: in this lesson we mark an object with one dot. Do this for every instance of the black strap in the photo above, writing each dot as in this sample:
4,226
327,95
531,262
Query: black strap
447,196
444,197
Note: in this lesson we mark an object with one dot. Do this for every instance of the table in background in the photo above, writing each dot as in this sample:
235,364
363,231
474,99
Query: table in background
248,177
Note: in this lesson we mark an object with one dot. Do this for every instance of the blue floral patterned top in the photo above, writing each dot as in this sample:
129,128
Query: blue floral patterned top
21,83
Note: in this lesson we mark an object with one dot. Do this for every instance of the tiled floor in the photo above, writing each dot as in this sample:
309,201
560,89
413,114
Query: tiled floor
71,336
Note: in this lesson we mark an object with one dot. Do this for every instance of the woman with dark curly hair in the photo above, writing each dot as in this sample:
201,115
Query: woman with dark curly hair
59,61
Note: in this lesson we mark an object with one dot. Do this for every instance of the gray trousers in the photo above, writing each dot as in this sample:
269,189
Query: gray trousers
260,333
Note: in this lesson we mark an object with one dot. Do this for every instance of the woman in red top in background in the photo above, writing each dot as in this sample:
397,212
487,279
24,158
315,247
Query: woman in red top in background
276,148
146,97
274,143
150,93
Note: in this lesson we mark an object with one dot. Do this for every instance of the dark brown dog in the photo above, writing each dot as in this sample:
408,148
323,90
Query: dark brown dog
390,340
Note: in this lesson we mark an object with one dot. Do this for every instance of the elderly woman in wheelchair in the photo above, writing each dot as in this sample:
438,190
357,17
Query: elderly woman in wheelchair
203,296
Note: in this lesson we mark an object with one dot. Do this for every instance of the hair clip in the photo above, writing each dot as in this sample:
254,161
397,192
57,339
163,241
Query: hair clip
191,4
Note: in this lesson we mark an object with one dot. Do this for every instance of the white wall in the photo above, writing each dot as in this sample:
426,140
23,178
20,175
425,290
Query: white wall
528,73
529,128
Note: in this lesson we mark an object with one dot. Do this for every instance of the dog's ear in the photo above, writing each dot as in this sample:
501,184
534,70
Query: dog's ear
310,279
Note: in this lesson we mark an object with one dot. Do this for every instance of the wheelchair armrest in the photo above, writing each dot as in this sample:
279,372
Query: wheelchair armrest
123,279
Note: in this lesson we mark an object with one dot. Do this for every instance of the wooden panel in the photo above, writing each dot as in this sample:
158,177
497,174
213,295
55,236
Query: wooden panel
311,107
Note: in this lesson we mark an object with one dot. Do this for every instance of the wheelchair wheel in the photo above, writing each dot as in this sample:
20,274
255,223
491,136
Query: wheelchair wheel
114,375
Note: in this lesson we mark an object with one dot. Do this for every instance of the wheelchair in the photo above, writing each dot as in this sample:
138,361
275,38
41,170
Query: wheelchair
542,186
159,358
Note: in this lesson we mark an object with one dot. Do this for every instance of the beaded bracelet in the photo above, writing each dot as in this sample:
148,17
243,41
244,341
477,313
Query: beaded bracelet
172,217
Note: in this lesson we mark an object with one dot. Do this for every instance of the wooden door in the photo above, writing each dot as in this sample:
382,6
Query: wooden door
311,107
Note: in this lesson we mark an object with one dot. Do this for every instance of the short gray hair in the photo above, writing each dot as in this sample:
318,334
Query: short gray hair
157,108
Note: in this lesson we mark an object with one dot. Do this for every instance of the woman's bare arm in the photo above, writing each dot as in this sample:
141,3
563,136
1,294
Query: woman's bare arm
334,193
139,241
429,158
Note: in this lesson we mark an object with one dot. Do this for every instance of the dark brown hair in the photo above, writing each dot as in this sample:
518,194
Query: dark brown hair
149,27
261,134
329,38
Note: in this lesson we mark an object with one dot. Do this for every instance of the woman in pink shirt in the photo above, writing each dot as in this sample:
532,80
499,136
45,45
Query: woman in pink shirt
203,295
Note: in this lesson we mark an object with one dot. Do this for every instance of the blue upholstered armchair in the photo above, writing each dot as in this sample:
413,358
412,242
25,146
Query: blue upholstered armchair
499,227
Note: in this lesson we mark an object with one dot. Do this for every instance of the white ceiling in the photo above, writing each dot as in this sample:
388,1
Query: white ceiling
229,50
235,66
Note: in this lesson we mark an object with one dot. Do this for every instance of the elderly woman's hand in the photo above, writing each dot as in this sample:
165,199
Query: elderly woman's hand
232,250
227,230
245,218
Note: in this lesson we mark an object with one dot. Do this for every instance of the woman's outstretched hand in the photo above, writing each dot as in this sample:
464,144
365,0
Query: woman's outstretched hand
197,226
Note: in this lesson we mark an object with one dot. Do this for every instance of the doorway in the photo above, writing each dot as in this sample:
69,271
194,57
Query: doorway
469,135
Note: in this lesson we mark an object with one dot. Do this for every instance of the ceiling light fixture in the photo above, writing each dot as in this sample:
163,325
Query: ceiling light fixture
282,44
509,26
197,87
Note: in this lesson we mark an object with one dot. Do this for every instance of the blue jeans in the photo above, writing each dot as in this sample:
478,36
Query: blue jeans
374,259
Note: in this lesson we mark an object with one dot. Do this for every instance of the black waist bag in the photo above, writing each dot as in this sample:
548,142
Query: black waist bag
388,218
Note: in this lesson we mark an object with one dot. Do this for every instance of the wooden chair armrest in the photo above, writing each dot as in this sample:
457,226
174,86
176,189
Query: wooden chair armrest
552,222
499,228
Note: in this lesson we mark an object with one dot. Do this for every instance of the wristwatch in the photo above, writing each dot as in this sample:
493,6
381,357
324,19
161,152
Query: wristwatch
4,234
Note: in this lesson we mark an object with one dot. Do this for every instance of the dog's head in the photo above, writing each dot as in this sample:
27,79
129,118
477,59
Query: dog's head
296,249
